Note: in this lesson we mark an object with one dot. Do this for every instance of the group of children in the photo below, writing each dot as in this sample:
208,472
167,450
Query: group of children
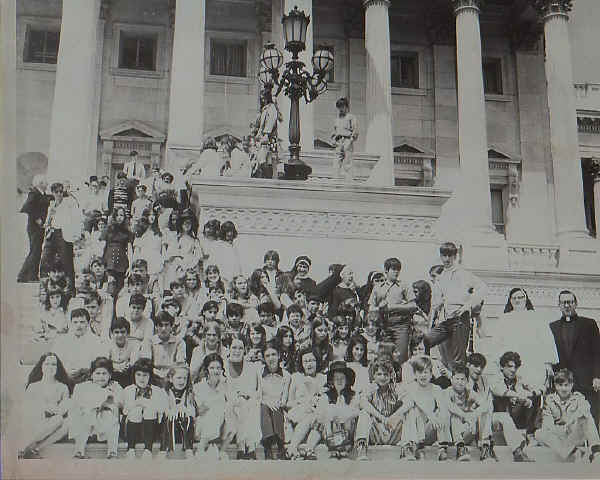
214,361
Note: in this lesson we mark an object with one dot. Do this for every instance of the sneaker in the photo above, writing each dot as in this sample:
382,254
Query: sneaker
147,455
130,455
361,451
520,456
112,455
487,454
420,454
189,453
408,452
442,454
310,454
462,454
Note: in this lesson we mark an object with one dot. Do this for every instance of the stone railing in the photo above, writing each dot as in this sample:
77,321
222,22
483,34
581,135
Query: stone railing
533,257
418,167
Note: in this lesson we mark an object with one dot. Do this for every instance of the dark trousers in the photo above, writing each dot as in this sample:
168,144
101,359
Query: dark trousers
31,265
177,431
593,399
398,330
453,338
56,249
142,432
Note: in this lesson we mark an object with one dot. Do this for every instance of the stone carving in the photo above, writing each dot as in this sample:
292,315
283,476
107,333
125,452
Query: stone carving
588,124
460,4
324,224
530,257
546,7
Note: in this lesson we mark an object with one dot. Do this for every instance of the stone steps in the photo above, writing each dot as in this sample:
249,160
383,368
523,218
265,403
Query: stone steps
64,451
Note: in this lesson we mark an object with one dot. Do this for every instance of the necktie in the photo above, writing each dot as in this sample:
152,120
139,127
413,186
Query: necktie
143,392
475,387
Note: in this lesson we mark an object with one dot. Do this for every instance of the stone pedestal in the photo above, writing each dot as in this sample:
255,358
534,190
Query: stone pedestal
186,103
71,154
378,130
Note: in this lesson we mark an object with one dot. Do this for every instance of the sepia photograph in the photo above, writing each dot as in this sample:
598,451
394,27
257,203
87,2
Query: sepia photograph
300,238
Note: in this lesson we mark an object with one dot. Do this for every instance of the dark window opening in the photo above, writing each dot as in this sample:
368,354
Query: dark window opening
137,52
405,69
498,210
588,172
41,46
492,76
228,58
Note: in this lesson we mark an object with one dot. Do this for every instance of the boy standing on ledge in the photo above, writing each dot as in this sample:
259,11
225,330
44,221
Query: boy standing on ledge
345,133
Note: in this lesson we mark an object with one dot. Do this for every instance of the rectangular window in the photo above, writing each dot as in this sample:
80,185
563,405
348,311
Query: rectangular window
587,170
405,69
41,46
492,76
228,58
330,76
137,52
498,210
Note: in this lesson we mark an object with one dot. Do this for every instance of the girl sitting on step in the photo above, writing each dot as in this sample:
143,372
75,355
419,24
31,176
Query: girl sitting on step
47,396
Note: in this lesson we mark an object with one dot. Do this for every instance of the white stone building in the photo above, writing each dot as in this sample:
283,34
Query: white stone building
469,108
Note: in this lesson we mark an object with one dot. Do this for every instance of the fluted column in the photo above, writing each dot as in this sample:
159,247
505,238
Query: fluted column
186,102
378,130
596,177
473,189
71,128
566,163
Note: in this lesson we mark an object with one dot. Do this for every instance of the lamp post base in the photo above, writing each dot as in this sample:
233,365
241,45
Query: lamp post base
296,169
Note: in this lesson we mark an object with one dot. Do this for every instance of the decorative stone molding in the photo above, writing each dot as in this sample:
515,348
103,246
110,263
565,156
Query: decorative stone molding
588,124
324,224
460,5
376,3
505,170
533,257
550,7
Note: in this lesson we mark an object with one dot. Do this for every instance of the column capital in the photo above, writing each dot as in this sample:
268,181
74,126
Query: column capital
376,3
460,5
547,8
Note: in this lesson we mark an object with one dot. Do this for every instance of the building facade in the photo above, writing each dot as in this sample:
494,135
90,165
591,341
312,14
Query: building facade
480,122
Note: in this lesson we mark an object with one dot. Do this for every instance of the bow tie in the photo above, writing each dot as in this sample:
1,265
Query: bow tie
143,392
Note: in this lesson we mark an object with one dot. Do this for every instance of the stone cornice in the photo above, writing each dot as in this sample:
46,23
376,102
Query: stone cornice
550,7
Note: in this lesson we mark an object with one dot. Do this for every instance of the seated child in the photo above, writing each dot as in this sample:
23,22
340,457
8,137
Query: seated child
141,327
515,405
356,359
385,405
179,425
568,423
162,348
53,319
234,324
210,396
337,415
440,375
427,420
135,284
274,390
144,405
470,416
95,409
256,342
56,279
211,343
46,403
123,351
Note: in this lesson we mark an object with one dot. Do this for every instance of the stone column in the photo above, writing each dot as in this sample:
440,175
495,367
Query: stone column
596,176
72,123
566,162
378,130
186,101
307,116
473,189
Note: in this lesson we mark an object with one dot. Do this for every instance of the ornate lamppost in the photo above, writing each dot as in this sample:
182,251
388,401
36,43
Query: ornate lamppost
295,81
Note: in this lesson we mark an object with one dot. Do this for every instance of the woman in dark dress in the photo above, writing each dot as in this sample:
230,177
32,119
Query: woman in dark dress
118,239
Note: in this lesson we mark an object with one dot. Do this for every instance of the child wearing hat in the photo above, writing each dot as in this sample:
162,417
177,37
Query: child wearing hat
338,414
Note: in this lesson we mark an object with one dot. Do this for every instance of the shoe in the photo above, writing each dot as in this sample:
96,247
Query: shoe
462,454
112,455
420,454
310,454
595,457
361,451
30,454
80,456
189,453
520,456
442,454
487,453
147,455
130,455
407,452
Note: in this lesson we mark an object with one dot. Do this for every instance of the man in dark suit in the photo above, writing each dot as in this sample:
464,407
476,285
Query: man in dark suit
36,208
578,345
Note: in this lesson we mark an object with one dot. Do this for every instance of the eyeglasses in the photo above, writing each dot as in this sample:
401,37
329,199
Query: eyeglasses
567,302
